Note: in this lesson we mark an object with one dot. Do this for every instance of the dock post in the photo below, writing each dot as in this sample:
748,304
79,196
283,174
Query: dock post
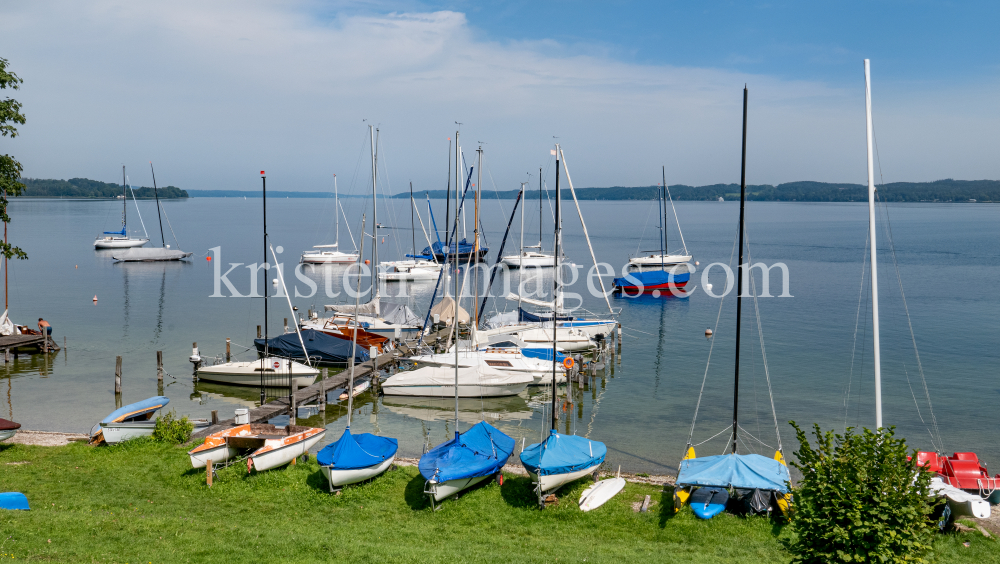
45,341
227,349
258,331
215,417
291,401
6,355
208,473
286,325
322,390
159,367
118,375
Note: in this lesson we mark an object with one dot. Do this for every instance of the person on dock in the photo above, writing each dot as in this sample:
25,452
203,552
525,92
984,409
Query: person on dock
44,327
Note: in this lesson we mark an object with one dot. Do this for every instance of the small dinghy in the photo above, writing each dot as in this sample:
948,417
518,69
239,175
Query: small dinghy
599,493
133,420
961,503
271,446
355,458
14,501
8,429
560,460
466,460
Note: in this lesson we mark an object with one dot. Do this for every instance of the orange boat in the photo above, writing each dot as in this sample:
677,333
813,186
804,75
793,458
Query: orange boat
344,328
272,446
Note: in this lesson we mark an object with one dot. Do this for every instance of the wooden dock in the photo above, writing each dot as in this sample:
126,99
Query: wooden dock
304,396
14,344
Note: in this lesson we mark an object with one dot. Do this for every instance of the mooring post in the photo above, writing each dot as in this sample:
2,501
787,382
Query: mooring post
6,355
215,417
286,325
258,331
208,473
291,401
322,390
227,349
118,375
159,367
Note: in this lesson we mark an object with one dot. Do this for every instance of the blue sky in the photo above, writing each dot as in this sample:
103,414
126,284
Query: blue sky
215,91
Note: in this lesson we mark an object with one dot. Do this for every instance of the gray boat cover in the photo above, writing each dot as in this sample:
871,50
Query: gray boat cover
371,308
399,314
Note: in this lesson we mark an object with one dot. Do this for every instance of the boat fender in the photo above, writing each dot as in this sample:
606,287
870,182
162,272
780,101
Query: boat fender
568,363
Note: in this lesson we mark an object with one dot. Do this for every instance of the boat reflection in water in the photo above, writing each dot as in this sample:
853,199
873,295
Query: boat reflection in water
470,410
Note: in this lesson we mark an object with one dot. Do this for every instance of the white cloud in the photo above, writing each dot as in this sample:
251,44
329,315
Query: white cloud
215,91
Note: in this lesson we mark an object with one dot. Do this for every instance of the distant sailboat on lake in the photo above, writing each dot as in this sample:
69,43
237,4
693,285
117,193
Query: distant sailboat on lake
121,239
164,252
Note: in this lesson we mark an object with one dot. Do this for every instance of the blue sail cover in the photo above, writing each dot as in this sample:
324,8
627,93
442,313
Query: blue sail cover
137,409
438,249
122,232
744,471
651,279
351,452
480,451
562,454
538,318
321,347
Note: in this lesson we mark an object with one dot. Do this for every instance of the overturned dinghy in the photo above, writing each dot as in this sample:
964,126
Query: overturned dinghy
464,461
133,420
560,460
155,254
760,483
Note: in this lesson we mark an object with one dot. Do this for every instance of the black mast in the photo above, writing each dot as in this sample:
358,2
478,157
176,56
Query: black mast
263,180
447,201
740,271
540,207
163,242
666,249
555,293
413,233
124,202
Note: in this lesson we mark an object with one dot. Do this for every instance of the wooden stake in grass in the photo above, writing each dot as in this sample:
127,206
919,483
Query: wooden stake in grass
208,473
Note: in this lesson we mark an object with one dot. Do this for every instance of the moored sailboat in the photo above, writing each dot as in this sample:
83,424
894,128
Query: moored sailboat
121,239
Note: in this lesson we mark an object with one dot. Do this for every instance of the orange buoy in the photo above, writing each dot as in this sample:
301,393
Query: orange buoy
367,261
95,298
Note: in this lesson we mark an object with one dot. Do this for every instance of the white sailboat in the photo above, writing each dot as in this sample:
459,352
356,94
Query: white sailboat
164,253
121,239
417,267
527,257
331,254
663,258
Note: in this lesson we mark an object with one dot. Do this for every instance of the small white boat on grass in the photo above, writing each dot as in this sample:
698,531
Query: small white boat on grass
961,503
470,382
269,446
133,420
599,493
248,373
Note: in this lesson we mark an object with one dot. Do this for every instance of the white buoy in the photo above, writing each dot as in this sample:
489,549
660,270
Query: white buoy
696,263
708,332
708,286
95,298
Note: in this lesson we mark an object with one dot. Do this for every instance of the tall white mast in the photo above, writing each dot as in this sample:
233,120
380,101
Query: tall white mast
336,211
871,235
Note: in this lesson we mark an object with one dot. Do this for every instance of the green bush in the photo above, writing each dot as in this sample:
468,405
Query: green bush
860,500
169,429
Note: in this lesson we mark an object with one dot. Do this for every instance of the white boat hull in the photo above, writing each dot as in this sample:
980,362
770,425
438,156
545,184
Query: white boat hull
451,487
656,260
466,391
218,454
569,339
338,478
599,493
118,242
591,328
248,373
285,454
4,435
539,370
529,259
552,482
335,257
119,432
961,503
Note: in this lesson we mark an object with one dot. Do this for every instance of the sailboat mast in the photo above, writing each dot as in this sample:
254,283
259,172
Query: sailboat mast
661,211
374,218
521,259
540,208
263,180
336,212
475,234
871,235
555,291
454,318
447,200
163,242
739,277
354,336
413,232
666,247
124,203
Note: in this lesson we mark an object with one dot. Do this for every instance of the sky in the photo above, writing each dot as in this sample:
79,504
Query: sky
215,92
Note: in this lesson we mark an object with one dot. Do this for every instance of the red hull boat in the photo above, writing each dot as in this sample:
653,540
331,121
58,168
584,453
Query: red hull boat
964,471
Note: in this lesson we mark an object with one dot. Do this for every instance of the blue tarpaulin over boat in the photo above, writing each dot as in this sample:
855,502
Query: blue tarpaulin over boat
438,250
122,232
480,451
138,409
13,500
744,471
538,318
357,451
562,454
651,279
321,347
543,353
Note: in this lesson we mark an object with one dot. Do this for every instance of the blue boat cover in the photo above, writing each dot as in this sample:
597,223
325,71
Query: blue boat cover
537,318
137,409
122,232
542,353
13,500
357,451
650,278
438,249
562,454
480,451
745,471
321,347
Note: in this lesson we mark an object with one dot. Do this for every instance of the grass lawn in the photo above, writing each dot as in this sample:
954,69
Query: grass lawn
141,502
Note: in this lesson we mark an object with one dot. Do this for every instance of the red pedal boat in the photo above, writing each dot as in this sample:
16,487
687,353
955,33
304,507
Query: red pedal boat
964,471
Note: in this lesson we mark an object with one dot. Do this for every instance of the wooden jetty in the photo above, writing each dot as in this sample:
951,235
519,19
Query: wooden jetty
15,344
303,396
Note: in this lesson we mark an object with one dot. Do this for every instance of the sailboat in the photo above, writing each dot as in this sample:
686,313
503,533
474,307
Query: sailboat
472,456
531,258
355,458
164,253
256,372
414,267
705,482
560,459
120,239
331,254
669,272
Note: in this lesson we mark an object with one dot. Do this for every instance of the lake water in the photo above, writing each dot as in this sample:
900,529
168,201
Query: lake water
642,408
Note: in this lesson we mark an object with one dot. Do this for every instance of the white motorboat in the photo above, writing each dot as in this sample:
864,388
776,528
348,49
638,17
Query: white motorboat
412,269
327,256
528,259
150,255
248,373
570,339
657,259
502,359
121,239
472,382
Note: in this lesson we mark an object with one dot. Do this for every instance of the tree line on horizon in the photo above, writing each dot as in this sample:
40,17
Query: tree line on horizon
947,190
86,188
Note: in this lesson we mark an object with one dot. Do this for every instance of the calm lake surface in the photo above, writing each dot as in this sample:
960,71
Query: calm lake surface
642,408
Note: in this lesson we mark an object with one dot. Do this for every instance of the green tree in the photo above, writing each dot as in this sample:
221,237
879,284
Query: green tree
860,499
10,169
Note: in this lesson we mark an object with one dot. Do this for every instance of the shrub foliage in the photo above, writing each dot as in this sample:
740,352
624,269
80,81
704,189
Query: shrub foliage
169,429
860,499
